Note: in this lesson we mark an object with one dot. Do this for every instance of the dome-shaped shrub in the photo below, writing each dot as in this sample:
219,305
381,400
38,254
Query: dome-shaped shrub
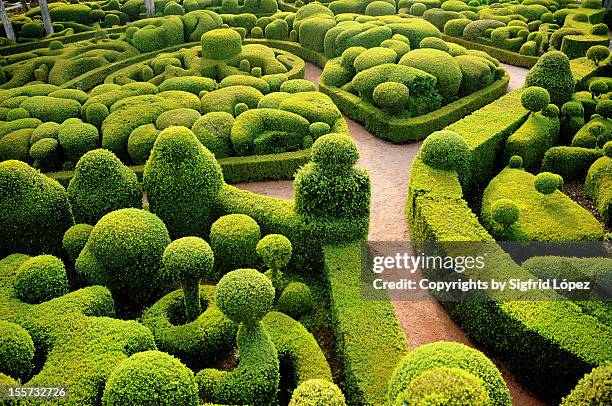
505,212
516,162
222,43
391,97
597,53
16,114
275,251
182,180
445,150
297,86
151,378
535,98
317,392
434,43
295,300
551,111
333,150
380,8
598,87
546,182
16,351
75,239
234,239
95,113
49,129
45,153
604,108
102,184
318,129
572,109
595,388
441,65
417,9
608,149
552,72
34,211
245,295
124,253
181,117
40,279
213,130
141,141
78,138
173,9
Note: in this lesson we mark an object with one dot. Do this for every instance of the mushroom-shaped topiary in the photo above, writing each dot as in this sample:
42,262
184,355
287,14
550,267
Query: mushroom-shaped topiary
16,351
151,378
317,392
190,258
546,182
335,151
101,184
75,240
446,150
445,386
295,300
597,53
516,162
535,98
505,212
220,44
234,239
391,97
598,87
275,252
40,279
245,296
595,388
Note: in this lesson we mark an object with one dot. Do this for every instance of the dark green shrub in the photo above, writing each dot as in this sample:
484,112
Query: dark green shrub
151,377
177,117
75,240
439,64
124,253
595,388
546,182
32,30
16,351
102,184
449,355
40,279
34,211
552,72
245,296
220,44
505,212
16,114
318,392
45,130
182,180
598,87
447,386
78,138
191,258
111,20
551,111
597,53
95,114
55,45
535,98
16,145
604,108
295,300
446,150
391,97
54,109
608,149
234,240
516,161
572,109
141,141
599,29
45,153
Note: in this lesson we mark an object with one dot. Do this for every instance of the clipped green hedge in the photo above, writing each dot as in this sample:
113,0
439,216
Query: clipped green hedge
502,55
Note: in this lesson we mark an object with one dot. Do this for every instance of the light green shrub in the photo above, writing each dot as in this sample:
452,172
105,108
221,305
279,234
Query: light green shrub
234,240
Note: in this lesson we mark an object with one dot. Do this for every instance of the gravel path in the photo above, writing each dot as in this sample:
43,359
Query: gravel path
389,166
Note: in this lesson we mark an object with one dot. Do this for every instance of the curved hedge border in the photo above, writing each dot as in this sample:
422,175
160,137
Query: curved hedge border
547,345
415,128
502,55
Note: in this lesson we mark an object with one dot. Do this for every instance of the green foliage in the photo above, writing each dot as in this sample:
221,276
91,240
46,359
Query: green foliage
16,351
597,53
295,300
535,98
221,44
297,86
391,96
213,130
505,212
476,29
546,182
234,240
182,180
274,251
191,84
123,253
34,211
226,99
96,113
245,296
597,184
141,141
604,108
153,34
417,9
448,151
78,138
317,392
449,355
16,114
178,117
534,137
151,377
45,130
54,109
441,65
570,162
476,73
380,8
173,8
102,184
15,145
45,153
40,279
75,239
594,388
552,72
516,162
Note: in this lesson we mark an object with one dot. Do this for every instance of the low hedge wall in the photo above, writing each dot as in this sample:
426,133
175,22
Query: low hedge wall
502,55
415,128
369,338
295,48
570,162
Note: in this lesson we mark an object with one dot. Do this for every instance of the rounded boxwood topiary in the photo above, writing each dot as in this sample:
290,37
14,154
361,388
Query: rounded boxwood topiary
182,180
220,44
595,388
181,117
297,86
275,251
34,211
45,130
45,153
40,279
391,97
245,296
551,111
234,240
598,87
77,138
445,150
516,161
317,392
552,72
173,9
190,258
16,351
110,20
213,130
75,239
445,386
95,113
141,142
295,300
318,129
597,53
439,64
335,150
607,148
102,184
124,253
151,377
240,108
55,45
604,108
572,109
505,212
535,98
434,43
546,182
443,354
417,9
599,29
380,8
16,114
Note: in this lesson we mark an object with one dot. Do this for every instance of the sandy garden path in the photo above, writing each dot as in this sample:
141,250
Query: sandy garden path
389,166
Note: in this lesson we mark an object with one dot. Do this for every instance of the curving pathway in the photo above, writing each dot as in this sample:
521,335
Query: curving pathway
389,166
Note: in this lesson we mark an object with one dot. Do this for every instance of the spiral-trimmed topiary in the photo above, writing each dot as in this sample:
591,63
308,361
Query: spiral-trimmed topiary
40,279
182,180
317,392
546,182
295,300
595,388
535,98
75,239
234,240
190,258
102,184
505,212
151,377
16,351
245,295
